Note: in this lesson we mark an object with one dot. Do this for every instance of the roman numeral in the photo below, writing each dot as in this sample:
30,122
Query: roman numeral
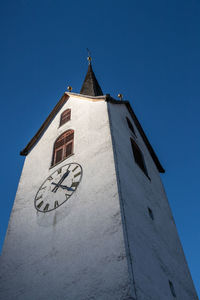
56,204
77,174
43,188
40,204
59,170
75,184
50,178
39,197
46,207
67,196
74,168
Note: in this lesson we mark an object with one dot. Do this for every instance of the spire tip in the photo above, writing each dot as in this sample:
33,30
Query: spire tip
89,58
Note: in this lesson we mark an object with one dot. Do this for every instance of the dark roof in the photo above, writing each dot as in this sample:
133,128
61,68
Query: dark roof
108,98
39,133
139,127
90,85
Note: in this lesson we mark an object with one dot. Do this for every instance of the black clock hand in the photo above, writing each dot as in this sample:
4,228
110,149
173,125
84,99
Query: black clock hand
60,181
62,186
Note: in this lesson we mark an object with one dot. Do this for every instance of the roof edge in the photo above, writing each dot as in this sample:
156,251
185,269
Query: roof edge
104,97
60,103
140,129
39,133
107,98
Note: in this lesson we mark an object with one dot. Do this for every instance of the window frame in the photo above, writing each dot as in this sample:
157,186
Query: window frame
63,115
63,146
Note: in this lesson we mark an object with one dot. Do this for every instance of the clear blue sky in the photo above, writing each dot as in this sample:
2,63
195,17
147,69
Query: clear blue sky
147,50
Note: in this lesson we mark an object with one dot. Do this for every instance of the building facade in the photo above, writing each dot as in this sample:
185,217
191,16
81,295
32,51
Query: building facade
91,219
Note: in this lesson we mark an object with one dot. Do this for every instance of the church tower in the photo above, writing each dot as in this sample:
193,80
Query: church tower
91,220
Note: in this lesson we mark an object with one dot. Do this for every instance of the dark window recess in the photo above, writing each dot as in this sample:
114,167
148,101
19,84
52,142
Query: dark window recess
65,116
63,146
58,155
172,288
150,213
139,159
68,149
130,125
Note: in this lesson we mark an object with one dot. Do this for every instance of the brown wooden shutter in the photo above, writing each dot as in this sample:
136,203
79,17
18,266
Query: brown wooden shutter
65,116
60,143
63,146
69,137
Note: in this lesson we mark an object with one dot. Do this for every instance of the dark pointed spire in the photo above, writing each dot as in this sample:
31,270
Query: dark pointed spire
90,85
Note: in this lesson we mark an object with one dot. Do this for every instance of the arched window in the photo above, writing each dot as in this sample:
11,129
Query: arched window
65,116
63,146
139,159
130,125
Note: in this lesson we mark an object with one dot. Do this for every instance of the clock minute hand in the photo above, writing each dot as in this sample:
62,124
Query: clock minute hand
64,187
57,185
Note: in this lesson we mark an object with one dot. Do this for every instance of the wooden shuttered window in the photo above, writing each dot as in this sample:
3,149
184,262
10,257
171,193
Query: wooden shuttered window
63,146
65,116
58,155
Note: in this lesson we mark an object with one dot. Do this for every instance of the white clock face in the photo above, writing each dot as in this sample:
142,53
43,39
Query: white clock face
58,187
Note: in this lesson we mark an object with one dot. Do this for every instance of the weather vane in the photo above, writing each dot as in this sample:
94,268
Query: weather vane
89,56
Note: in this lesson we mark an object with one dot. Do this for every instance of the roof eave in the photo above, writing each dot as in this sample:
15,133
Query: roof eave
60,103
140,129
106,97
38,134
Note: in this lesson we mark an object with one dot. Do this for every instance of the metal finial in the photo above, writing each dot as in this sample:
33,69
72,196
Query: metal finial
120,96
89,58
69,88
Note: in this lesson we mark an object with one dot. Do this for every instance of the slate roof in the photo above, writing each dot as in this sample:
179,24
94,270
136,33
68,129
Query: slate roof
90,85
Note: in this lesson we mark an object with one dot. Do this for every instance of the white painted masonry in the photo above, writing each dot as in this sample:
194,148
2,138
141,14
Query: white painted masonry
155,252
76,251
101,244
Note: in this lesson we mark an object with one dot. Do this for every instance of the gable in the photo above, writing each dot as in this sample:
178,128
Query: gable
107,98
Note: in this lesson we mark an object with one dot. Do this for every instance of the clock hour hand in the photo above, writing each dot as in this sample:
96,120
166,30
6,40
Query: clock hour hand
64,187
57,185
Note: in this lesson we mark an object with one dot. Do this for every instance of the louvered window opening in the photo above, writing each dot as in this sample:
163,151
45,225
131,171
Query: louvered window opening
65,116
138,157
63,147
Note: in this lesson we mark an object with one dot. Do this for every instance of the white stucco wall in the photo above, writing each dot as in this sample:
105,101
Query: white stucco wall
81,250
153,247
76,251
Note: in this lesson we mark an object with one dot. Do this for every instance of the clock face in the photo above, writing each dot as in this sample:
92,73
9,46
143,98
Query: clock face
58,187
